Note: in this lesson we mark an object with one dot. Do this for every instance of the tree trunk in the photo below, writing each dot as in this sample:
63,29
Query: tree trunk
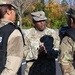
20,22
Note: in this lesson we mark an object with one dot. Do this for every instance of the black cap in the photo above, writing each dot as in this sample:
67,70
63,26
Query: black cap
71,12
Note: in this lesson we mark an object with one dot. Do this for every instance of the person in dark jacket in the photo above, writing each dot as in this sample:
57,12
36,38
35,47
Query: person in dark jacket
45,64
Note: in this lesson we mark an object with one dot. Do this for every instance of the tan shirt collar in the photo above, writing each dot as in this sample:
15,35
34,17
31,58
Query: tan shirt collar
4,22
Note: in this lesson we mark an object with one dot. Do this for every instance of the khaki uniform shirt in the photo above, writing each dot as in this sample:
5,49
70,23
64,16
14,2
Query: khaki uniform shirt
67,48
14,51
32,41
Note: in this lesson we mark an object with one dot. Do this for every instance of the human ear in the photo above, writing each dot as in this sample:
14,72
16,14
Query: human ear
71,21
8,12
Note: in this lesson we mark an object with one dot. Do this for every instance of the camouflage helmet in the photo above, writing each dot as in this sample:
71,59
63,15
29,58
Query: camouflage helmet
71,12
2,2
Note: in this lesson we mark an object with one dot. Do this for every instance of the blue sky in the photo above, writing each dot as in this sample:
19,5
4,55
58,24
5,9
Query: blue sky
46,0
73,1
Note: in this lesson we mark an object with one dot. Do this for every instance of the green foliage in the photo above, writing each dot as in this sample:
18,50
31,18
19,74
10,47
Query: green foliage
27,23
58,23
54,13
39,6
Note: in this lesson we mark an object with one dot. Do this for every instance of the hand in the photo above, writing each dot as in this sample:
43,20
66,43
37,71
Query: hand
42,48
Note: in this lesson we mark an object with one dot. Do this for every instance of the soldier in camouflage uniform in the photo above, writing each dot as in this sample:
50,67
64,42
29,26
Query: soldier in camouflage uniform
11,41
32,39
67,47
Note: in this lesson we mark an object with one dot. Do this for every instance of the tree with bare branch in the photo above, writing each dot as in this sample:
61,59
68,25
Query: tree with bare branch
22,6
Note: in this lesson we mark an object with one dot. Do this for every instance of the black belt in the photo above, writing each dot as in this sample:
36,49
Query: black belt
31,60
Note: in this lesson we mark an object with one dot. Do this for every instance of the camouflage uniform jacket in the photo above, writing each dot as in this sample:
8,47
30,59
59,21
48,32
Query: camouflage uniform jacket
32,42
14,51
66,57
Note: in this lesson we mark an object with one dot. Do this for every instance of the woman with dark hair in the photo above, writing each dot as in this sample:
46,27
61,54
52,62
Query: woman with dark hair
11,42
